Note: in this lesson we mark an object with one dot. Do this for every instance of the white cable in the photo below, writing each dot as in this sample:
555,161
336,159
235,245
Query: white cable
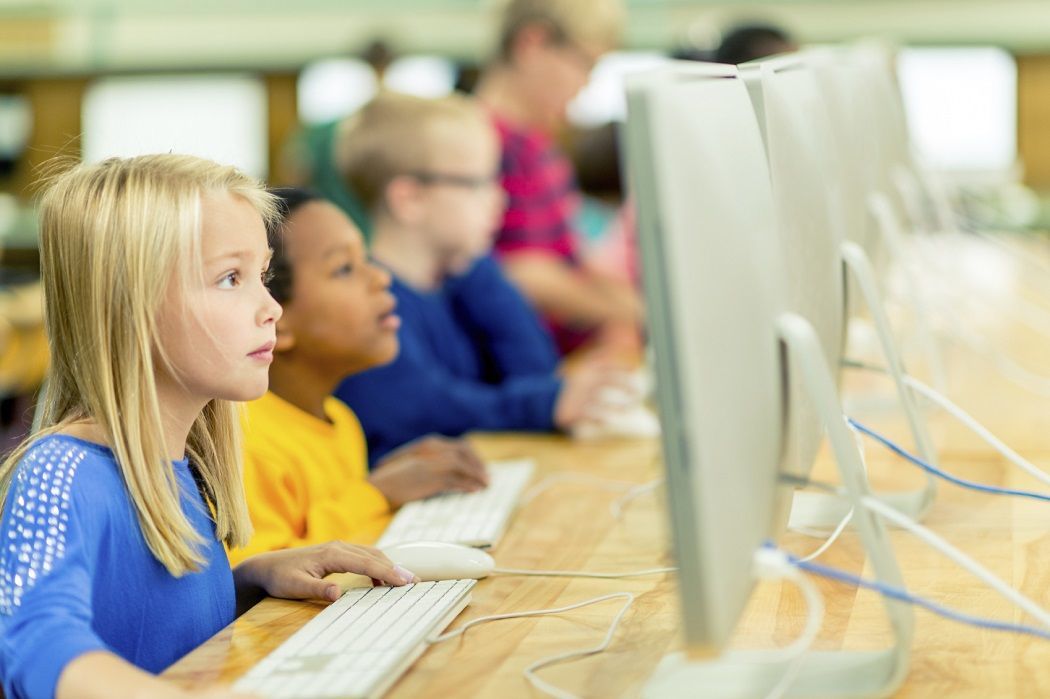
829,542
801,645
572,477
960,558
772,563
977,428
583,573
969,421
550,689
530,672
858,438
617,507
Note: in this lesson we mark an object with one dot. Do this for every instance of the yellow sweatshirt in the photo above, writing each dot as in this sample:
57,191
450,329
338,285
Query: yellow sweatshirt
306,479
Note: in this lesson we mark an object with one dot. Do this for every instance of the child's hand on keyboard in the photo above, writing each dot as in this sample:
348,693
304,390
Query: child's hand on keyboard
299,573
427,467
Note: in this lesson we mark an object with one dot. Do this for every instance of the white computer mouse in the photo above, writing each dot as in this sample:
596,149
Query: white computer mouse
436,560
633,422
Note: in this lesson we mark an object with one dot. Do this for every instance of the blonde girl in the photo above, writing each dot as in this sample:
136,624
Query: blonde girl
115,513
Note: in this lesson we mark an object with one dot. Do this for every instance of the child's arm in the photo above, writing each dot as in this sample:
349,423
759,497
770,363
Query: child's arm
574,297
416,396
509,328
429,466
102,675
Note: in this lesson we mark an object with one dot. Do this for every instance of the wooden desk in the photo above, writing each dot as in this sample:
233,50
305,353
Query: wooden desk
569,527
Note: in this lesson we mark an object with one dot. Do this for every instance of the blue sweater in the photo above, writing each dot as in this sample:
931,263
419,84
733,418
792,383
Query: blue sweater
473,357
76,574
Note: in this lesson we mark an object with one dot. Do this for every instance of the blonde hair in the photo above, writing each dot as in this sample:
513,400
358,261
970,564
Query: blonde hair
111,235
396,134
598,23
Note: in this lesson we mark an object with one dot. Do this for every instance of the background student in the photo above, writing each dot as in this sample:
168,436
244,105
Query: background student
546,51
474,355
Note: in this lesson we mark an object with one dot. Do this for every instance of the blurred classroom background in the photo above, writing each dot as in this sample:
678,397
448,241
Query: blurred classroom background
237,81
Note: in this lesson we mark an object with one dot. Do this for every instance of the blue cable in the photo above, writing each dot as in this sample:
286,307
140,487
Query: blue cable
903,595
930,468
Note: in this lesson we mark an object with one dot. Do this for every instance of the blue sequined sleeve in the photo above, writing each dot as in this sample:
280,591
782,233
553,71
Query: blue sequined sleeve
46,565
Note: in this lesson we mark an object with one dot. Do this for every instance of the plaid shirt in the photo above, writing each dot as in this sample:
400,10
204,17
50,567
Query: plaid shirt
542,196
542,200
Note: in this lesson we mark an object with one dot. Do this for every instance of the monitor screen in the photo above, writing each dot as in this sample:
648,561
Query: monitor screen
712,280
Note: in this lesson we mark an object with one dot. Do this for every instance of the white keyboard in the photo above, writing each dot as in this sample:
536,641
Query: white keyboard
357,647
471,519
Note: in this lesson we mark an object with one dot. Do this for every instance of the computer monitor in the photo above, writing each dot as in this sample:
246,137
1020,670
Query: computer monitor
795,123
875,60
720,330
717,364
850,147
857,86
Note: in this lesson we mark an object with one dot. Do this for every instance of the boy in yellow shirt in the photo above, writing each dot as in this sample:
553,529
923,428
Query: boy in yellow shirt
305,462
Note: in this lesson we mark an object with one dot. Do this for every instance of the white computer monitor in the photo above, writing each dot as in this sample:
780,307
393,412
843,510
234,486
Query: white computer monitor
710,266
796,125
722,337
794,121
854,146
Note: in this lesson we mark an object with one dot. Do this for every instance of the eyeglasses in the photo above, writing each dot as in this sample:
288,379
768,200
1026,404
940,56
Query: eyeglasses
579,55
464,181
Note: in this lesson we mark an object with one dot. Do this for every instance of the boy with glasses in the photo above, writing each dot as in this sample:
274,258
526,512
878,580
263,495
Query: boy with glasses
474,355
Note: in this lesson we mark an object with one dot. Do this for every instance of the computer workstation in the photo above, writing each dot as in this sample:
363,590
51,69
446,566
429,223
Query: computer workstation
749,435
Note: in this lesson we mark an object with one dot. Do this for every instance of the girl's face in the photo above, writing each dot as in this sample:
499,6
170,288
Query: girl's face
340,317
219,331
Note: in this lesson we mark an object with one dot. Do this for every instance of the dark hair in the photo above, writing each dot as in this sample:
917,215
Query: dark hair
595,155
747,42
289,200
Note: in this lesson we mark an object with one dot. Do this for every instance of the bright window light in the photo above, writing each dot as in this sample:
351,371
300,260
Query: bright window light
962,106
604,99
334,88
220,117
425,76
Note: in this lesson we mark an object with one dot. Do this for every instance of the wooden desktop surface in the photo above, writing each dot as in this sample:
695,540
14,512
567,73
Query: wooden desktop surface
570,527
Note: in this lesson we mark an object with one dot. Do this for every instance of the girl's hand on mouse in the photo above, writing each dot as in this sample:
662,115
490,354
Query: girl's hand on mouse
299,573
427,467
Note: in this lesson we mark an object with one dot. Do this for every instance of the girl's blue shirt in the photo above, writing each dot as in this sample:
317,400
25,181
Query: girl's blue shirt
77,576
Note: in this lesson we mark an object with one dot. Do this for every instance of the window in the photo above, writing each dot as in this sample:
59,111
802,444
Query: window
220,117
961,105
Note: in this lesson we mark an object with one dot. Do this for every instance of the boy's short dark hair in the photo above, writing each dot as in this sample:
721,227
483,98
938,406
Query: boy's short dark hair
747,42
289,200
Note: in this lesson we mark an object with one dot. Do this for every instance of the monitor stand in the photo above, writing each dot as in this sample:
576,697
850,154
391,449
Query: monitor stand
747,674
813,511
